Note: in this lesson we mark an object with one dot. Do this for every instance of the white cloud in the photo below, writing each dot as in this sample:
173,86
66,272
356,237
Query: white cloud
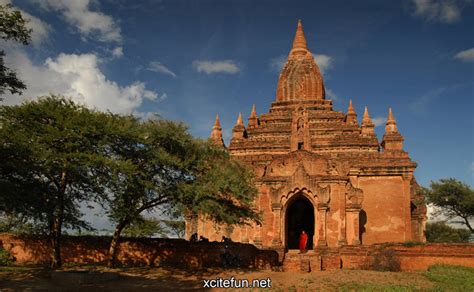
276,64
379,121
444,11
94,24
211,67
331,95
40,28
157,67
324,63
466,55
117,52
78,77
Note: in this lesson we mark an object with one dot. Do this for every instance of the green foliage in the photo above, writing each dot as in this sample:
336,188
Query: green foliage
145,228
221,188
6,259
175,227
451,278
19,224
158,165
54,155
455,198
441,232
12,27
412,243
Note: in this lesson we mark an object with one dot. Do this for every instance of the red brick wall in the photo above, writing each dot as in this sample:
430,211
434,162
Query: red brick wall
134,251
181,253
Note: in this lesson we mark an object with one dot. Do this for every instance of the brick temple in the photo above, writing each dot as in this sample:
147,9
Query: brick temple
320,170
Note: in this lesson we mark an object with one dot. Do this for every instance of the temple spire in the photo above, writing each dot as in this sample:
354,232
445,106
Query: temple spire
351,117
253,119
239,122
238,132
254,111
392,140
391,125
300,78
216,134
217,123
300,48
367,125
299,42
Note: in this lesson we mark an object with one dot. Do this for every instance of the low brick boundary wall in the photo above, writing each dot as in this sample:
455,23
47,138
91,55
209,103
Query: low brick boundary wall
136,251
182,253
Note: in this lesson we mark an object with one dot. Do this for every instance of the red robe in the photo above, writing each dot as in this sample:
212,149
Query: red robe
303,241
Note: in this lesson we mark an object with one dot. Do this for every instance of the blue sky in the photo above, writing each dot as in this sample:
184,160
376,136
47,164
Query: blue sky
189,60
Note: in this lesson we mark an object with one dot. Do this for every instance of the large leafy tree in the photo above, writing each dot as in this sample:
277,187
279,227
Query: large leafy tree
53,155
12,27
442,232
454,199
160,167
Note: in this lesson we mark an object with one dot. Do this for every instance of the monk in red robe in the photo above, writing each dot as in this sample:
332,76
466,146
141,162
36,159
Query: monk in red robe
303,241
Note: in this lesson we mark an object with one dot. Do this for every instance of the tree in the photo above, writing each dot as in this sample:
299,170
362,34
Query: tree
53,154
222,189
441,232
175,227
160,166
12,27
145,228
454,198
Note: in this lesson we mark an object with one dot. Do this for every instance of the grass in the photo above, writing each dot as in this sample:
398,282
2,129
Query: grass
443,277
452,278
376,287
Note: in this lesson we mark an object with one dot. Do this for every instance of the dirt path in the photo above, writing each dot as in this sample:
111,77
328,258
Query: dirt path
159,279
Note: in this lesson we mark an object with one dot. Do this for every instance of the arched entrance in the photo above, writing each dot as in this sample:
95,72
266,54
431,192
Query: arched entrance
299,216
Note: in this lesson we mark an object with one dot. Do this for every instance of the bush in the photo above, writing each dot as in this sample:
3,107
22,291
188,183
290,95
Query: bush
412,243
386,260
441,232
6,258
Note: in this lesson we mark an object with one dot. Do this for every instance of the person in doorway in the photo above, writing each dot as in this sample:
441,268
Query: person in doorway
303,241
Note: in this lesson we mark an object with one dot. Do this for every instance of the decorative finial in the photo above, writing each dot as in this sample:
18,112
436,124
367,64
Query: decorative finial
366,118
367,125
240,122
391,125
350,110
217,123
216,134
254,111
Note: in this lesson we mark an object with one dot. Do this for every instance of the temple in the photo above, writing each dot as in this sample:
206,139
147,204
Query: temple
319,170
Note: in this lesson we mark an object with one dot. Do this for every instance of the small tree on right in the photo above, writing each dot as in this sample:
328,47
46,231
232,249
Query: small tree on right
454,199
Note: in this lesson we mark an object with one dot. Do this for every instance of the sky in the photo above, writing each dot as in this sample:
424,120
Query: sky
190,60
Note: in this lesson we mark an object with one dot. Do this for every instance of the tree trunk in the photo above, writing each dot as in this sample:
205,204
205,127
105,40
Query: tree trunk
55,237
114,244
57,222
467,224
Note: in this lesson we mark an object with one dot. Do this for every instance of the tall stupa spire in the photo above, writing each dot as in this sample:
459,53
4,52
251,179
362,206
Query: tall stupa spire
367,125
299,42
216,134
300,78
351,117
253,119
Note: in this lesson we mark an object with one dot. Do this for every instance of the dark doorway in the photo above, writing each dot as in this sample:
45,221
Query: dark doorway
299,216
362,222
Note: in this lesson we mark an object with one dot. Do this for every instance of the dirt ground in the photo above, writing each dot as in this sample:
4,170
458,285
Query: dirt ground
160,279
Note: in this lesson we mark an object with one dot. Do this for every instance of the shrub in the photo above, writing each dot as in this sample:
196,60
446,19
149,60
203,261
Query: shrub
441,232
6,258
386,260
412,243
